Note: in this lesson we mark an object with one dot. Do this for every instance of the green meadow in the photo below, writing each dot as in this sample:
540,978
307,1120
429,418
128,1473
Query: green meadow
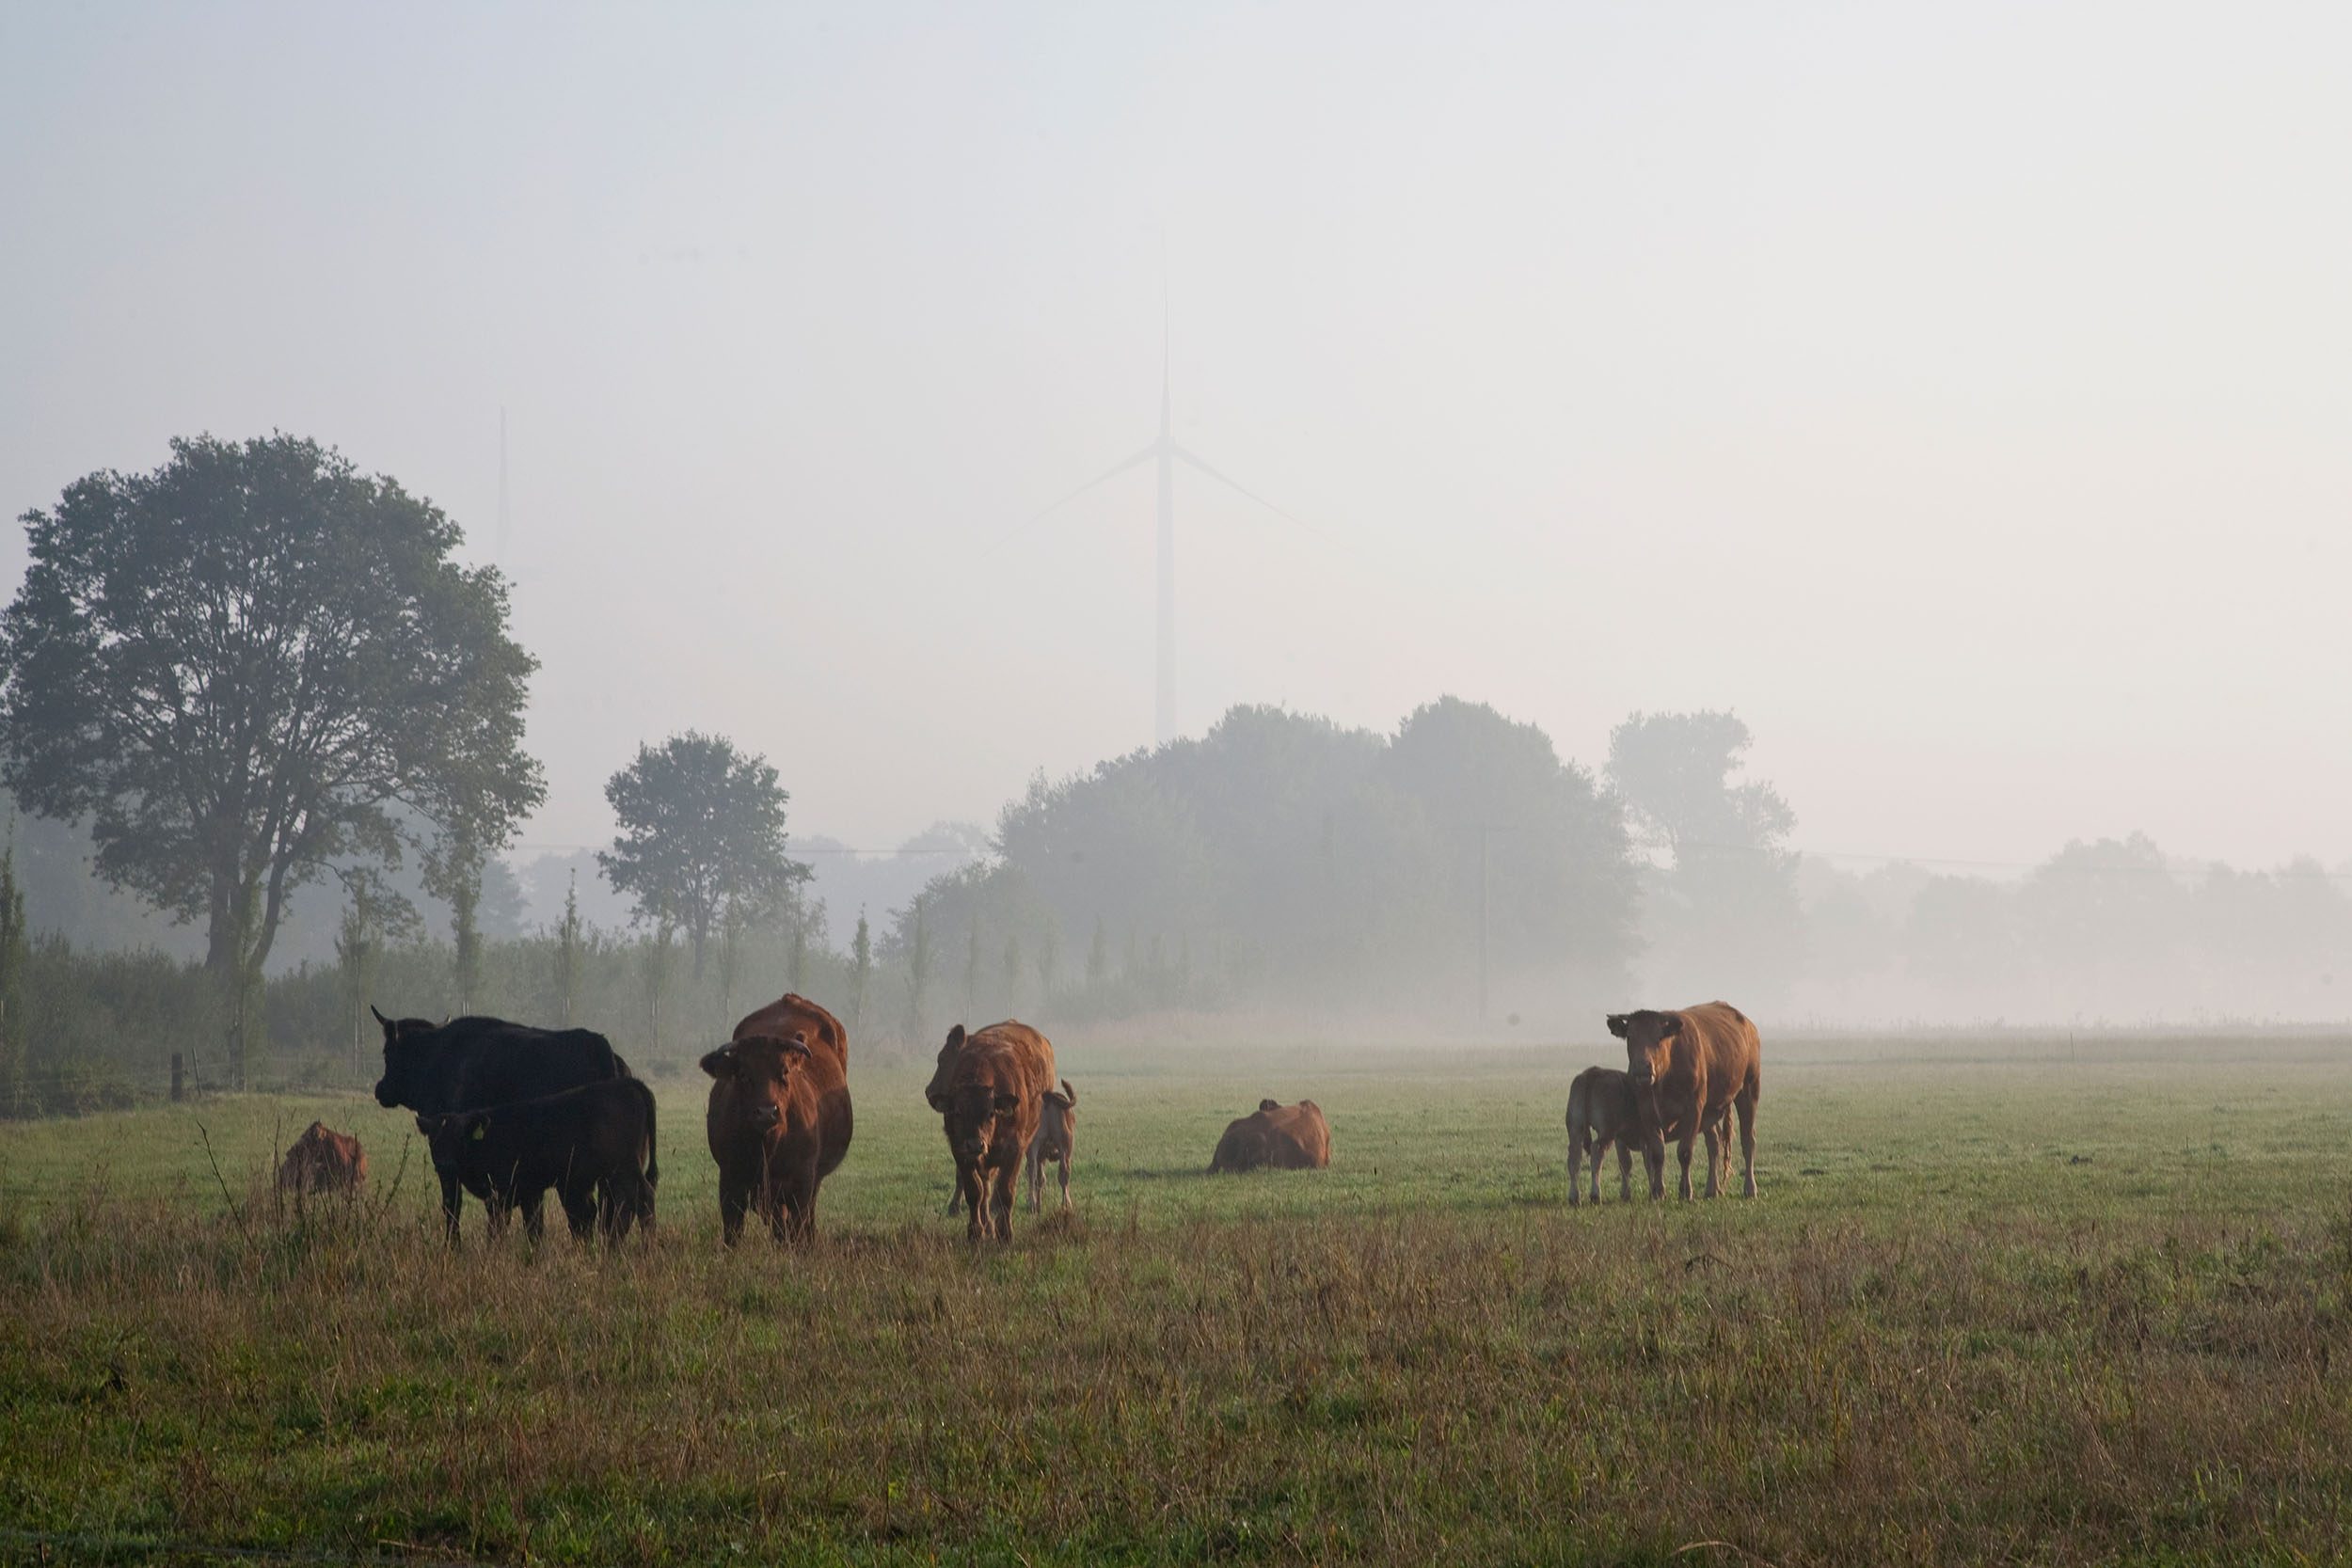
1994,1304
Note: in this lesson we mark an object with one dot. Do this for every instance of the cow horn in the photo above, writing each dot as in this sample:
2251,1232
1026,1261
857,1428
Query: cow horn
379,1017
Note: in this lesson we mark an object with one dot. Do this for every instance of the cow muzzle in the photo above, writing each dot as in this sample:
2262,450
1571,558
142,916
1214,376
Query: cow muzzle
766,1114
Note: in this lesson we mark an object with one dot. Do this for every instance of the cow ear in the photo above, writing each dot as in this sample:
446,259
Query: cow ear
1269,1104
955,1037
1618,1022
1007,1101
720,1063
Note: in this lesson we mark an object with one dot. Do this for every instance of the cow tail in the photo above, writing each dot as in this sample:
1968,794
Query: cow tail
653,1157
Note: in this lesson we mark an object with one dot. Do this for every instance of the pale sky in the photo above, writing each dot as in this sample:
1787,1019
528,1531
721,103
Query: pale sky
1961,394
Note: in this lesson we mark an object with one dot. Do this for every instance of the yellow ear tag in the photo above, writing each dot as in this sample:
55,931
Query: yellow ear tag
481,1131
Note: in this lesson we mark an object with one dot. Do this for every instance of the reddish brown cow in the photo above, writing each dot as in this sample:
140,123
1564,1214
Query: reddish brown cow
994,1093
1057,1140
779,1124
1287,1137
1690,1070
789,1015
323,1160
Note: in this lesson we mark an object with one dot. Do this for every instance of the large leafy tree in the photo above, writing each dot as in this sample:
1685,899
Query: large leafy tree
701,830
252,663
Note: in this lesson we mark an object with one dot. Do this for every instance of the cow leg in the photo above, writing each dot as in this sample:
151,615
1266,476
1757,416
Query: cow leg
453,1199
1654,1157
1625,1172
1745,1104
1682,1154
1576,1165
1065,1182
972,1192
1033,1168
734,1198
1000,1202
1718,1153
534,1215
584,1208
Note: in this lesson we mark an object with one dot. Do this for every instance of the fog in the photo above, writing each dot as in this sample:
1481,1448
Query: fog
1957,398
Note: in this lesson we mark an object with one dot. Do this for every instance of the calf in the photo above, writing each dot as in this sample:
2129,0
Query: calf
1287,1137
1602,1110
779,1124
1057,1137
594,1145
323,1160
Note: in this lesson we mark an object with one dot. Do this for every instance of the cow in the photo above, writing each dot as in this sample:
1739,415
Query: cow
1056,1139
595,1145
789,1015
778,1124
1690,1070
323,1160
990,1093
1602,1110
1286,1138
470,1063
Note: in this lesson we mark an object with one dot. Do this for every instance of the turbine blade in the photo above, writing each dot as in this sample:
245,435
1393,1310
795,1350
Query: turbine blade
1104,477
1246,491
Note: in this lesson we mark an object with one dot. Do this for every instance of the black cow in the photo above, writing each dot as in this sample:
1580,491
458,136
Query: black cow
470,1063
594,1145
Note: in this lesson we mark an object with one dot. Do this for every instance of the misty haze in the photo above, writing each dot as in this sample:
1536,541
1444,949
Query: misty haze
1242,602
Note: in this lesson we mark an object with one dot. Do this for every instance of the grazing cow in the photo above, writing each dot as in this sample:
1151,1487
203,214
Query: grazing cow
1690,1070
471,1063
993,1096
323,1160
594,1145
1056,1139
778,1124
1602,1110
1287,1137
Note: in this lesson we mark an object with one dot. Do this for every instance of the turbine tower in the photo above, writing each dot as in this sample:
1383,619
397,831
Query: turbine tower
1168,454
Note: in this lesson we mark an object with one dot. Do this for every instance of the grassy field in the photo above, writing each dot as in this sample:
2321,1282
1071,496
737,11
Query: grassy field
1984,1311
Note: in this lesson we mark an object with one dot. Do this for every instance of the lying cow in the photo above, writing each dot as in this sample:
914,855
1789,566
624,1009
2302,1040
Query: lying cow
1690,1070
1056,1138
323,1160
1286,1138
779,1124
594,1145
990,1093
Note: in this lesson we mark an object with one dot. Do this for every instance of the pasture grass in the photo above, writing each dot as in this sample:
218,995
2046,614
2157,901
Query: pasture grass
1983,1311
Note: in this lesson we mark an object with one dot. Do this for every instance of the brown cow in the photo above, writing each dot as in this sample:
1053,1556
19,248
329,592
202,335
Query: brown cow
1287,1137
1602,1110
996,1080
789,1015
323,1160
1690,1070
1056,1139
779,1124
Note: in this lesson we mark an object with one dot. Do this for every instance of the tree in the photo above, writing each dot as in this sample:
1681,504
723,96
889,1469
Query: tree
861,970
697,818
918,951
14,952
239,667
568,954
374,915
1675,773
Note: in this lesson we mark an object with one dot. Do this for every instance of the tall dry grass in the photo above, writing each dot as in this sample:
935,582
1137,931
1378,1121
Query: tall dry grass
1497,1386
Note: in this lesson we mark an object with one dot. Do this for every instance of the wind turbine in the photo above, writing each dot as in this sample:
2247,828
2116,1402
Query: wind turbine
1168,454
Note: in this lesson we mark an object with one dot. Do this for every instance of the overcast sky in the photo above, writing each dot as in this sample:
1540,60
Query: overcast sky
1961,394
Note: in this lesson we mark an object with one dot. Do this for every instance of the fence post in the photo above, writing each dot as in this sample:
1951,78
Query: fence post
175,1075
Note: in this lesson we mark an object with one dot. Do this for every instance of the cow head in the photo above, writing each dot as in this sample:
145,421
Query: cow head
1649,1044
974,1114
936,1092
448,1134
404,1080
759,1068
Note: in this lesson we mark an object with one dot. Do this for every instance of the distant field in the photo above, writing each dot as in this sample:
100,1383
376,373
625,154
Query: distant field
2096,1310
